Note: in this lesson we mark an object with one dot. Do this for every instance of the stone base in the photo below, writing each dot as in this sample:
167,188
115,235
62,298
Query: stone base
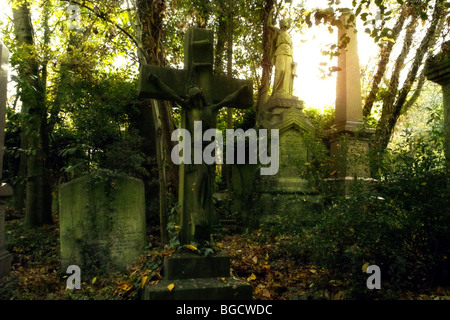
349,148
188,266
343,185
198,278
284,184
5,262
199,289
294,208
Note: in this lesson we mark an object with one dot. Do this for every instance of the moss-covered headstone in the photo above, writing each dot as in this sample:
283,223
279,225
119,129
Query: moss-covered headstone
102,221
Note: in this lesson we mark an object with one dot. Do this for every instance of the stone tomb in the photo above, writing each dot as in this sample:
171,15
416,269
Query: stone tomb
286,115
287,192
102,221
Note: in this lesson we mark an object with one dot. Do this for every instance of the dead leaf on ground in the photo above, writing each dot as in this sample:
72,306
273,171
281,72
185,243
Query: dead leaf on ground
251,277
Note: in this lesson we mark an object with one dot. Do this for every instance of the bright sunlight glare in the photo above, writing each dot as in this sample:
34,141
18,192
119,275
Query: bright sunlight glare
309,86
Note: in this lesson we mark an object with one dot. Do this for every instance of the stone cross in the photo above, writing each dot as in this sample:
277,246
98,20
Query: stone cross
200,94
438,70
350,157
5,190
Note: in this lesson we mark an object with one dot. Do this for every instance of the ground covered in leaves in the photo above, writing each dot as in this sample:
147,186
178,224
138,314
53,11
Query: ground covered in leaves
266,264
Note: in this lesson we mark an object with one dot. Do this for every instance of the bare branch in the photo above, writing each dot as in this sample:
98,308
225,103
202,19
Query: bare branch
385,54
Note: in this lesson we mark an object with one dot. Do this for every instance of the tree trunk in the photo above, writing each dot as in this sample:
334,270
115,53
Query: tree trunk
34,121
384,56
148,28
393,105
263,89
229,31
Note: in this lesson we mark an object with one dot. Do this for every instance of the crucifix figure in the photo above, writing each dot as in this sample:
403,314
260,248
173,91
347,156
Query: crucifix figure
200,95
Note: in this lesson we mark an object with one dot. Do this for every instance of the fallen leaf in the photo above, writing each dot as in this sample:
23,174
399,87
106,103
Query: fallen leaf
126,287
255,259
170,287
144,281
252,277
266,293
190,247
365,266
223,279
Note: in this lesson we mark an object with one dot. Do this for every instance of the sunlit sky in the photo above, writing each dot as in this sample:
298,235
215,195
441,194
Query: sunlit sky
308,86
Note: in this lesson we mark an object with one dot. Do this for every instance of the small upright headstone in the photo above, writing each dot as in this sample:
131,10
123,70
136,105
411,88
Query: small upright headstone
102,222
5,190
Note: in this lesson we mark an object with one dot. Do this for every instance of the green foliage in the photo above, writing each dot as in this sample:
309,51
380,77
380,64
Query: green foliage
400,223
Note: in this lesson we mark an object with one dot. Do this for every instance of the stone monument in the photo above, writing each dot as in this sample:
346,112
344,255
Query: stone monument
438,70
102,222
5,189
200,95
284,111
349,141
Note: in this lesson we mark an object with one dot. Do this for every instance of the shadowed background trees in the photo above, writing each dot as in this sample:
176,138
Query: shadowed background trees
75,107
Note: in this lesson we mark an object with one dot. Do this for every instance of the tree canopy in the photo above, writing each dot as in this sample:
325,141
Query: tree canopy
76,66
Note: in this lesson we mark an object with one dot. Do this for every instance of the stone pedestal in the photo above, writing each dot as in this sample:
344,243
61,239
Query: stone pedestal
197,277
102,222
287,193
286,115
349,149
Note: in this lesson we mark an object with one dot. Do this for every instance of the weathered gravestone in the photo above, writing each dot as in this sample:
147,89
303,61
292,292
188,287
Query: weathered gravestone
349,140
200,95
286,192
102,221
5,190
438,70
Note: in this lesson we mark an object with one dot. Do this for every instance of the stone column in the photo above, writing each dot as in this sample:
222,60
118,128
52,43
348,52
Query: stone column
438,70
349,142
5,190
